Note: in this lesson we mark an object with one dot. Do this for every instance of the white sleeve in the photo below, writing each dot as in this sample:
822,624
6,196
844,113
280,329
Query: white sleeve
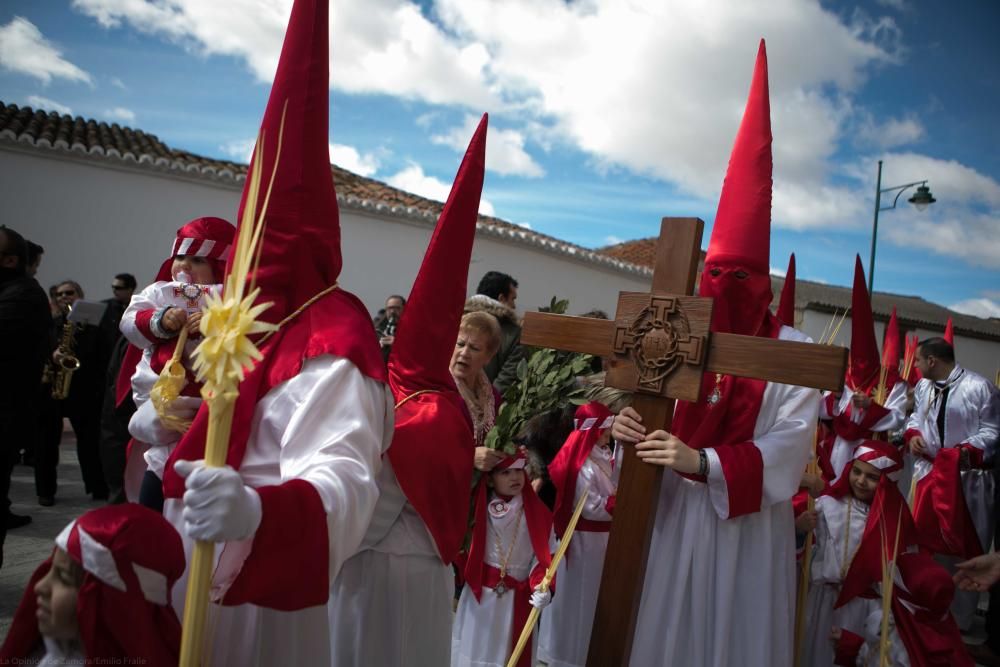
988,401
335,424
144,300
595,508
895,403
918,416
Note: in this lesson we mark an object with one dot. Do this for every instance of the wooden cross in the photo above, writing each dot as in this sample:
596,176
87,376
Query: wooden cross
663,339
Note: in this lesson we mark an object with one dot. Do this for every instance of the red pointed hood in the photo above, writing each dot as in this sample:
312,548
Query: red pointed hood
863,369
949,332
433,442
300,253
300,256
741,234
425,338
890,343
786,307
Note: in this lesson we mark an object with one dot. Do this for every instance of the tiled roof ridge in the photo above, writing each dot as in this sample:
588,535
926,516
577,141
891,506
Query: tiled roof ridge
86,137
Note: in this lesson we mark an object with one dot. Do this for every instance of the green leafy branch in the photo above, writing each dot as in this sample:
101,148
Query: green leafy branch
546,380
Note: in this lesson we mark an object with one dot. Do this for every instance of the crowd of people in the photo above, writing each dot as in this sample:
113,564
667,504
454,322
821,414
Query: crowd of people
62,368
362,516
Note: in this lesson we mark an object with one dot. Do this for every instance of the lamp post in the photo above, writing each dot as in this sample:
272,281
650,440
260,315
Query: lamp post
922,198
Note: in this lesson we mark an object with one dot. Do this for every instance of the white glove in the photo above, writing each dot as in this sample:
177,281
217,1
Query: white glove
146,425
541,599
218,506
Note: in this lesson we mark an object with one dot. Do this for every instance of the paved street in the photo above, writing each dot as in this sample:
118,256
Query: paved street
26,547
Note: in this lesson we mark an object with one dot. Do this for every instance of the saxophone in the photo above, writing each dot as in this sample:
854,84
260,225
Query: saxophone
62,370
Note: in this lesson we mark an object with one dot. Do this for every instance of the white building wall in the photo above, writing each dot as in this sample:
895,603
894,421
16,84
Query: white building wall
96,219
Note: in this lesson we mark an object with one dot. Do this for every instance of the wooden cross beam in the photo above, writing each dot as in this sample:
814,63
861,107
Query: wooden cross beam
663,339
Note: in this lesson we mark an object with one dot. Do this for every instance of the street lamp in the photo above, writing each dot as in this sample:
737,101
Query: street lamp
922,198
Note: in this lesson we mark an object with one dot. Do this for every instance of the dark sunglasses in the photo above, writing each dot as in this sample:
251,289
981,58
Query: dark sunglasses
118,287
71,292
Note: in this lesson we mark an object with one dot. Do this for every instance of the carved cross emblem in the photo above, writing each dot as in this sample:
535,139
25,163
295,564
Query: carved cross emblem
657,341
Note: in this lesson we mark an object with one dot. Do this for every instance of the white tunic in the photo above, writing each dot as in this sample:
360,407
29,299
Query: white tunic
145,425
721,591
972,416
869,653
827,574
481,636
392,602
843,449
564,636
328,425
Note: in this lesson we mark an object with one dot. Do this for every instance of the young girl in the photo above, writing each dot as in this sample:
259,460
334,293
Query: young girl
922,630
104,595
841,518
584,464
152,323
509,554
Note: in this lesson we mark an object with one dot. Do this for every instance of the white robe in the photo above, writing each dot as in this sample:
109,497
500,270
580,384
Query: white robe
564,635
328,425
843,450
828,564
721,591
391,603
869,654
481,636
153,438
972,416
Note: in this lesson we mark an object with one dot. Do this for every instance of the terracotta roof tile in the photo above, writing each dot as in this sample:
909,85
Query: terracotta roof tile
636,251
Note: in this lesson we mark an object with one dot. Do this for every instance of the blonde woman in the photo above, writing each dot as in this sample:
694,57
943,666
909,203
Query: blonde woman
478,340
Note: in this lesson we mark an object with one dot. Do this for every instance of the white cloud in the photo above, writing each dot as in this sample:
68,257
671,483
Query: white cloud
505,152
23,49
350,159
240,150
898,5
984,308
667,105
39,102
413,179
780,273
377,46
892,133
962,223
613,240
121,114
118,83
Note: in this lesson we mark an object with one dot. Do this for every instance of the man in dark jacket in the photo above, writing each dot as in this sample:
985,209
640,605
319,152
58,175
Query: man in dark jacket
24,337
497,295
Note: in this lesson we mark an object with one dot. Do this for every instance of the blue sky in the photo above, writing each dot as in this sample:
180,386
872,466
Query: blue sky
605,115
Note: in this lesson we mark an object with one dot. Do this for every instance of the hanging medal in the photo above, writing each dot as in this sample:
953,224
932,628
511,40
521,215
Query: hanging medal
716,395
499,508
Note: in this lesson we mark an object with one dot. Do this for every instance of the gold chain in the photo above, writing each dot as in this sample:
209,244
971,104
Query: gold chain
316,297
513,543
846,564
414,395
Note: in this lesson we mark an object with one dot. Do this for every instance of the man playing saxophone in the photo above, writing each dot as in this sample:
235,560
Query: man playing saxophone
76,391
